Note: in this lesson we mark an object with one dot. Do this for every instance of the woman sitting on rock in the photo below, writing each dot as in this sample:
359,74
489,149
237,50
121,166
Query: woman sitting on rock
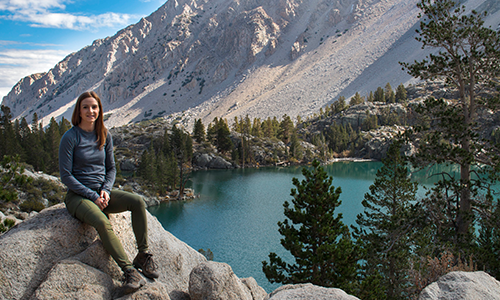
87,168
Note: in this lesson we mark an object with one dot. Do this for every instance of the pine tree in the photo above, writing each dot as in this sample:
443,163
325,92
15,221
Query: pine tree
147,165
371,122
256,128
356,99
51,143
223,137
173,170
379,95
469,58
161,178
386,225
296,149
199,131
267,128
390,97
182,146
370,97
286,129
489,241
339,105
401,94
319,241
64,125
9,145
35,154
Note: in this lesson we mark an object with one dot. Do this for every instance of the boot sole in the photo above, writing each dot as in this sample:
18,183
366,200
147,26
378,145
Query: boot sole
127,289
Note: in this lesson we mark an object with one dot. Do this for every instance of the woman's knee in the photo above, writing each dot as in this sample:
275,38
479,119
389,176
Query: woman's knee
91,214
102,226
134,201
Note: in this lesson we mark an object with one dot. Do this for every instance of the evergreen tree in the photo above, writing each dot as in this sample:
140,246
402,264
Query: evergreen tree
257,128
212,131
338,137
173,170
147,165
35,154
385,227
401,94
9,145
339,105
51,143
469,58
166,148
489,241
370,97
379,95
371,122
286,129
24,133
321,244
388,117
246,125
267,128
161,177
182,146
64,125
319,141
236,125
296,149
199,131
390,97
356,99
223,137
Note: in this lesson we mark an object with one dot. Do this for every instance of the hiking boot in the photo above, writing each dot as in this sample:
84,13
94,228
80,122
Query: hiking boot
133,281
144,262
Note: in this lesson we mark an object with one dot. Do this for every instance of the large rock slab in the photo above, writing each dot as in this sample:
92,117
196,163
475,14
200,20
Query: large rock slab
39,255
463,286
309,291
217,281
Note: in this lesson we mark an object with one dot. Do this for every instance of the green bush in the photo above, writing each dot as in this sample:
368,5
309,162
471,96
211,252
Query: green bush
31,205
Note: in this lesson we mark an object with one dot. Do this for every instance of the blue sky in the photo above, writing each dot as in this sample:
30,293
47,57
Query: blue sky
37,34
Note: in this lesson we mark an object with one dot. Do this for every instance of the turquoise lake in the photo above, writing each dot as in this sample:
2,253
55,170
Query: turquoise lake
237,211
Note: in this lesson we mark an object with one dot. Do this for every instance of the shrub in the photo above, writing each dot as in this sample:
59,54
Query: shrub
428,270
31,205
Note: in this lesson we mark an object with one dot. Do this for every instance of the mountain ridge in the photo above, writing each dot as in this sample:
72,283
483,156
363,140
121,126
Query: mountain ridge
224,58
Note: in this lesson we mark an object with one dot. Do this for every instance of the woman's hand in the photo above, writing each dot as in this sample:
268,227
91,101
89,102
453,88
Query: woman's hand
102,202
105,195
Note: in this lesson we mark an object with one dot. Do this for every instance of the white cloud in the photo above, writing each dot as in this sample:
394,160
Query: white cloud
15,64
50,14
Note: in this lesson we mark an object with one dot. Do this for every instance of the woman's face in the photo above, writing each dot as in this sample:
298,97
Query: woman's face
89,110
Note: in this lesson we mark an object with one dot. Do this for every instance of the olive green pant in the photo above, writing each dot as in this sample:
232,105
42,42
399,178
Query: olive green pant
88,212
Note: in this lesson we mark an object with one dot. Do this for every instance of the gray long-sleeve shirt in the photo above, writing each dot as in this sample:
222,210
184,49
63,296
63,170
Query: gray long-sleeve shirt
84,168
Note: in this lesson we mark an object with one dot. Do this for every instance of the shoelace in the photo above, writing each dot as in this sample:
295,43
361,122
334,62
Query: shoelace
149,263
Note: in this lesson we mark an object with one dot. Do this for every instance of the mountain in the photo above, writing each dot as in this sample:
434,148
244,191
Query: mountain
225,58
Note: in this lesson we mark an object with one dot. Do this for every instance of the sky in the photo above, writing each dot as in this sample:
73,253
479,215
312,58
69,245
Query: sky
36,34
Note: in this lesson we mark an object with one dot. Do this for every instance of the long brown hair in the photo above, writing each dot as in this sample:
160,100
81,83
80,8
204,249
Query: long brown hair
100,130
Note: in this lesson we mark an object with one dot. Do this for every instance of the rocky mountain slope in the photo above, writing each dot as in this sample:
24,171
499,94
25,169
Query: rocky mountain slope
225,58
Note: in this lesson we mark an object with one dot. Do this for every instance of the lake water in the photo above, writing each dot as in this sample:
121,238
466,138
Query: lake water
238,210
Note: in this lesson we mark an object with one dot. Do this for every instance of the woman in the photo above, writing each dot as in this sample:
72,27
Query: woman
87,168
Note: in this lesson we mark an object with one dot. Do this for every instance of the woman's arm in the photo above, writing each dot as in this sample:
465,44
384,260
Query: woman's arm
110,165
66,151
